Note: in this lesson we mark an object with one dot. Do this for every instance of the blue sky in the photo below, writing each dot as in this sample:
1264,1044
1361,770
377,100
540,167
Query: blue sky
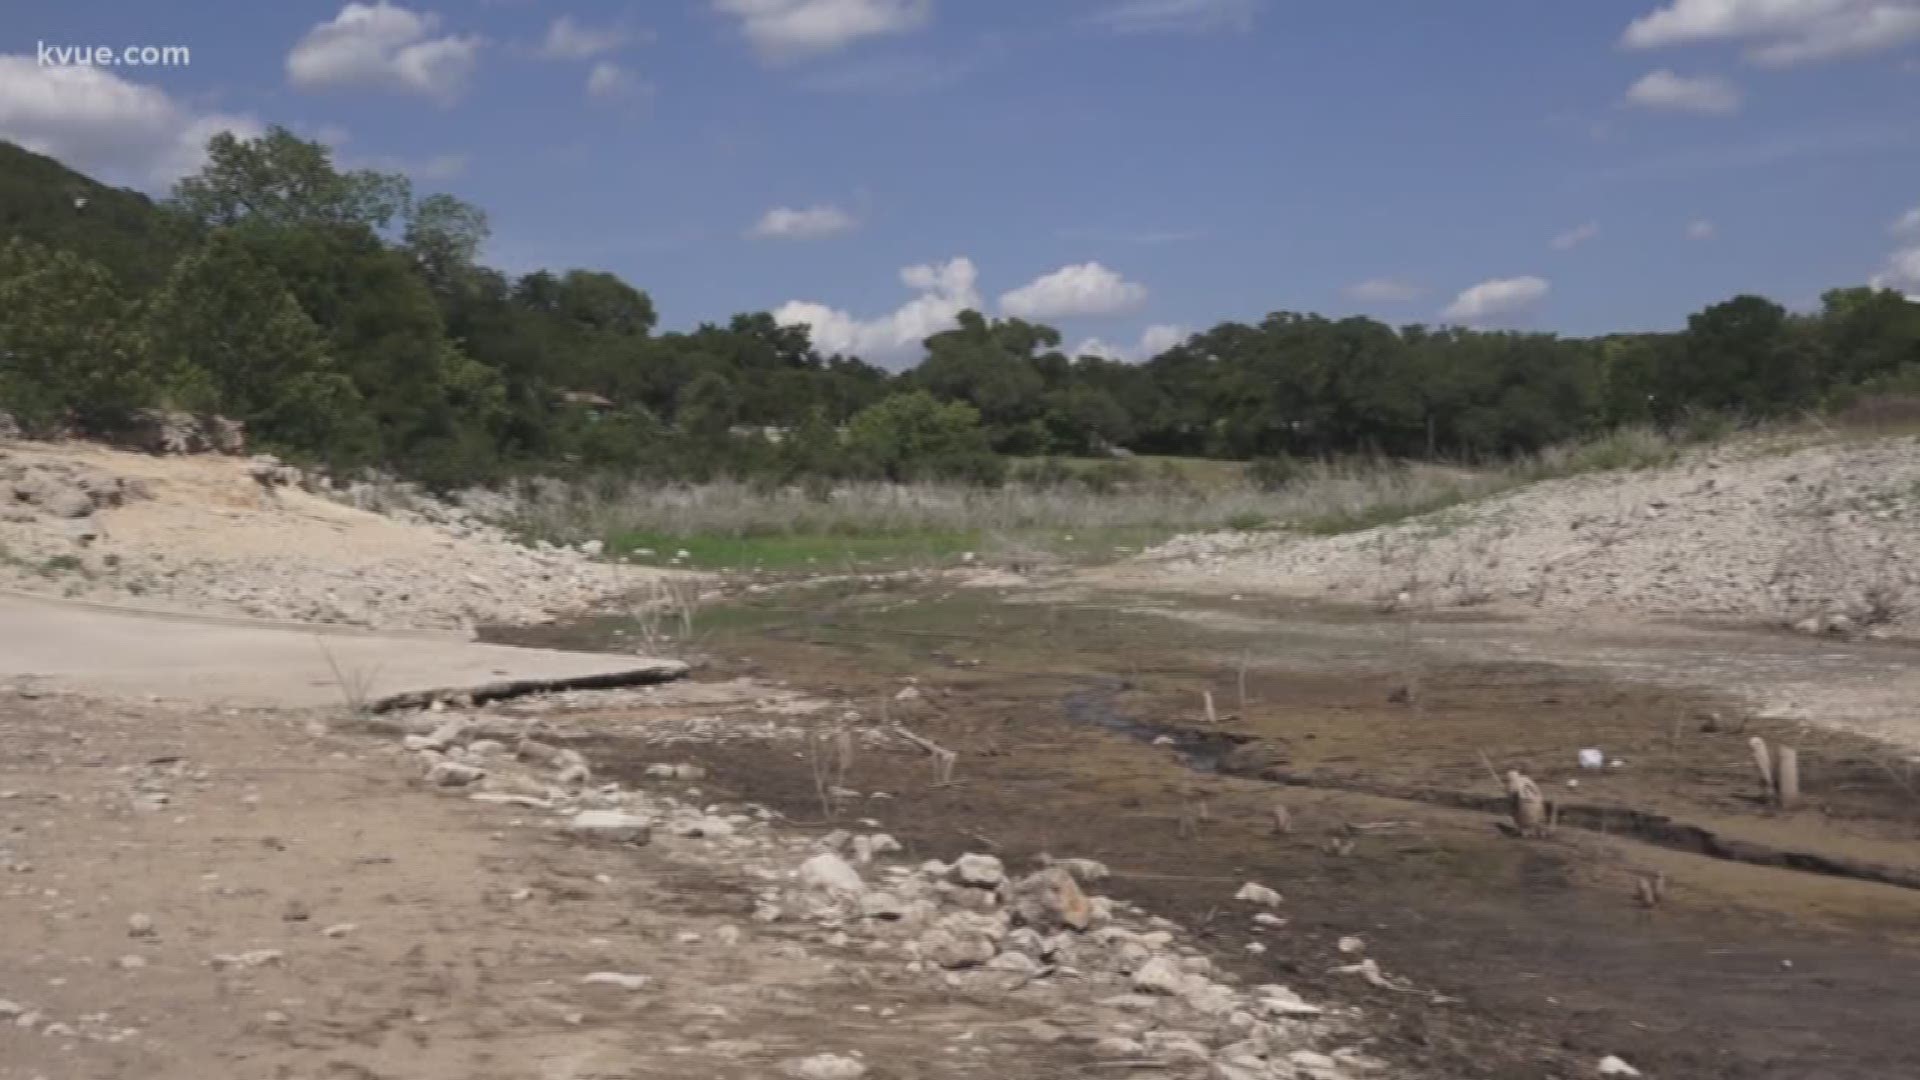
1122,169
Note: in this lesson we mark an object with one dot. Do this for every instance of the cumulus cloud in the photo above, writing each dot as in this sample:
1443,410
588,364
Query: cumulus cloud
788,29
382,46
1178,16
1705,94
808,223
1496,299
1701,229
1154,340
944,291
1902,272
1383,290
1781,33
92,119
1576,236
609,81
1080,290
570,40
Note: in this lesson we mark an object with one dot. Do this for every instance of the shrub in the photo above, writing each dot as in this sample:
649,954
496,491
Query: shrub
1275,472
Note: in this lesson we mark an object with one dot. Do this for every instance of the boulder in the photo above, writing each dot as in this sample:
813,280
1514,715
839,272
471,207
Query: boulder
979,871
824,1067
615,826
1161,976
454,774
957,949
1049,900
828,872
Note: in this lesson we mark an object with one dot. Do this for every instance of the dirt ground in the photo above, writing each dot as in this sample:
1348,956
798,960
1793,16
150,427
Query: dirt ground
190,892
1081,729
186,894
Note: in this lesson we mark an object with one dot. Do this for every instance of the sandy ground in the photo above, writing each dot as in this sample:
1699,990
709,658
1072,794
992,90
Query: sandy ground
201,534
1827,536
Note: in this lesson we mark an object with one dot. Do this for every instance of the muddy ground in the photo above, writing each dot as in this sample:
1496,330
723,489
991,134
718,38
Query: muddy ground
1081,731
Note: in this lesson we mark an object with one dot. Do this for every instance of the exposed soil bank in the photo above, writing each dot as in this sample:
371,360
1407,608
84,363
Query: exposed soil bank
1530,957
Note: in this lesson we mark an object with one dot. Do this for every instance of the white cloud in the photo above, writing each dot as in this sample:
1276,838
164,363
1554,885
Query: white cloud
1902,272
1083,289
1181,16
1496,299
609,81
1781,33
945,290
1700,230
1154,340
384,47
95,121
570,40
1707,95
1576,236
1906,224
1383,290
787,29
809,223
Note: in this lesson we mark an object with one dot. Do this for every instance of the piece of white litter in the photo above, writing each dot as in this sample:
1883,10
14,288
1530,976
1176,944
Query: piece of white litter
1613,1066
1592,759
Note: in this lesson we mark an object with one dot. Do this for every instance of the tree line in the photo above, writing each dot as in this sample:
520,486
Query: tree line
349,322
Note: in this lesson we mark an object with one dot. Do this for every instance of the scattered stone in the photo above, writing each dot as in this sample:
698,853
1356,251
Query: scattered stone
132,962
617,979
1613,1066
1085,871
824,1067
830,873
951,948
140,925
1160,976
1279,1001
295,911
1258,894
251,959
612,826
979,871
1049,900
339,930
454,774
1352,945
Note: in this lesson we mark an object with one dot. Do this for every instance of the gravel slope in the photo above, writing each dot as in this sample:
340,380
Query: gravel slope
1823,537
204,534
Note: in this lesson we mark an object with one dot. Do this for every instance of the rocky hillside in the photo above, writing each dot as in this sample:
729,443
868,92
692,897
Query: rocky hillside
1820,536
244,537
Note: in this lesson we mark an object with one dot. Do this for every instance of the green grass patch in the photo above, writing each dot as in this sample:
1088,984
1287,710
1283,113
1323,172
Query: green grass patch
844,551
799,551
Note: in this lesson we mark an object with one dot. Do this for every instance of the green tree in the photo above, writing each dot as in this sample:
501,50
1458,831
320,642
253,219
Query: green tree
914,436
227,324
67,351
280,180
444,236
